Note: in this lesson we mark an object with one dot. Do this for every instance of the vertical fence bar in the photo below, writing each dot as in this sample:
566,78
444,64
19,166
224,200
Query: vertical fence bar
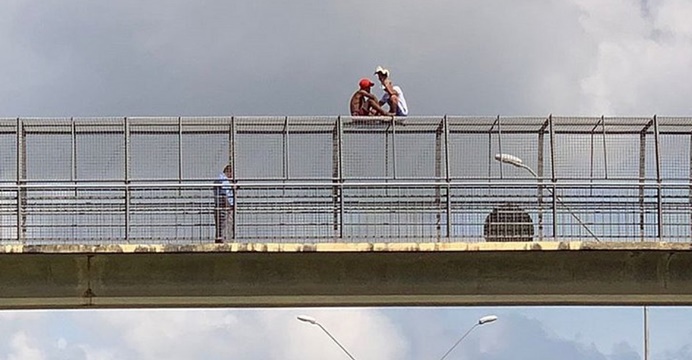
73,154
336,178
438,175
690,184
658,179
393,148
490,151
73,170
642,177
605,150
285,149
448,178
541,175
126,125
553,179
341,176
21,181
232,160
180,169
499,142
591,156
180,150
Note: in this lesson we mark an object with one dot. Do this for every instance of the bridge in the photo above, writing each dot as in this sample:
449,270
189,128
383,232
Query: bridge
346,211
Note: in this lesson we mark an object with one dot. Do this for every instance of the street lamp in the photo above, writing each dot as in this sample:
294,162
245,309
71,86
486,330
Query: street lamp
481,321
313,321
513,160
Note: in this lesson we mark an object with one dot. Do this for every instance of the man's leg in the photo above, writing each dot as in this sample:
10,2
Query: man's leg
375,108
229,231
393,104
220,217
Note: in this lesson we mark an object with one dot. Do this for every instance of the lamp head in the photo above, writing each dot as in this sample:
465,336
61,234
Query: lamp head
307,319
487,319
509,159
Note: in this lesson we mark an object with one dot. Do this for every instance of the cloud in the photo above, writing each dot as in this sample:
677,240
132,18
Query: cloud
642,57
579,57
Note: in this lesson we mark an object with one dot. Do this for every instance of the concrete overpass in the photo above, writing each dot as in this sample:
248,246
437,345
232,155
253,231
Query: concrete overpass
355,274
342,211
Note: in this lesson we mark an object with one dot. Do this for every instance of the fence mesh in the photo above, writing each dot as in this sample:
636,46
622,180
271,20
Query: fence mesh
321,179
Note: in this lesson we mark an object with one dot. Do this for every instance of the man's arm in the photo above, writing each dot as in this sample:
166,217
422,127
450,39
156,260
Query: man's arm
368,95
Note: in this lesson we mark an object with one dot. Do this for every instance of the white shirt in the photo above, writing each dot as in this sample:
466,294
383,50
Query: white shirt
401,106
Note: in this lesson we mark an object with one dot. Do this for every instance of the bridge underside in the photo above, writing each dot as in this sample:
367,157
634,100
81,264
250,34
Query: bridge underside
297,275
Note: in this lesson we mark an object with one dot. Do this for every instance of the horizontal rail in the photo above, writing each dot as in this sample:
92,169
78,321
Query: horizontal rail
315,212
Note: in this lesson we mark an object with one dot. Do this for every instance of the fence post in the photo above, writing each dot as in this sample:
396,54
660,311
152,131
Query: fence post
126,125
658,179
553,179
642,176
21,182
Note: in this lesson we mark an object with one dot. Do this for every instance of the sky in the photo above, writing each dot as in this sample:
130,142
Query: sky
305,57
568,333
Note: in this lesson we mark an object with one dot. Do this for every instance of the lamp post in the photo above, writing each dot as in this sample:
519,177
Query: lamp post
313,321
646,333
481,321
513,160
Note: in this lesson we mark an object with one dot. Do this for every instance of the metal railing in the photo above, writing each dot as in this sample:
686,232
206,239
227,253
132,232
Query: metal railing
347,212
321,179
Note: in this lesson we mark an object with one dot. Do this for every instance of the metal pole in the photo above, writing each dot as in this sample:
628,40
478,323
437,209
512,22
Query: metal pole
180,150
448,177
499,140
459,341
658,179
127,178
393,149
73,157
642,178
286,149
337,191
335,340
553,178
180,169
646,333
555,196
438,175
541,175
232,160
605,151
21,180
73,172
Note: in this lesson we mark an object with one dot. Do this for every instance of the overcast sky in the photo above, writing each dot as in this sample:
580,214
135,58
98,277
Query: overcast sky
305,57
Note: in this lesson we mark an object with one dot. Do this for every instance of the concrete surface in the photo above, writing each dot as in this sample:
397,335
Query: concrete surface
361,274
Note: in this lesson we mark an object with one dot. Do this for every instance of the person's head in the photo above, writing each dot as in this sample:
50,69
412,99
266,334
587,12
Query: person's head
228,170
365,84
381,73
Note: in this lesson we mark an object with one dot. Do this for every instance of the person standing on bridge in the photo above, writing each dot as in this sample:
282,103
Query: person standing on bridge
224,205
393,95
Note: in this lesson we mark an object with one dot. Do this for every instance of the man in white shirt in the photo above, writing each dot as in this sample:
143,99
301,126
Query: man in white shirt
224,205
393,95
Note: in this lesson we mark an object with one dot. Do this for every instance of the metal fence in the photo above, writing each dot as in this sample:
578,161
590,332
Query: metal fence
344,179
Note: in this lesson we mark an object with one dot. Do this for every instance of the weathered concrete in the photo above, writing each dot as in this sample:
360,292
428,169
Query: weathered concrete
364,274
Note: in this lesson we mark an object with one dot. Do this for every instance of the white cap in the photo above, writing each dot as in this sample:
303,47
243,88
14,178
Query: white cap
382,70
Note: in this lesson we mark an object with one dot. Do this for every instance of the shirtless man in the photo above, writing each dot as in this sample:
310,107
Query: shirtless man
363,103
393,95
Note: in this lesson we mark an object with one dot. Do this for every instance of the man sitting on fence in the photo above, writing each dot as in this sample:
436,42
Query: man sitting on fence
363,103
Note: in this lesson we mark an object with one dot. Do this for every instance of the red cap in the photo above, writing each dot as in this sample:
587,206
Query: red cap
365,83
